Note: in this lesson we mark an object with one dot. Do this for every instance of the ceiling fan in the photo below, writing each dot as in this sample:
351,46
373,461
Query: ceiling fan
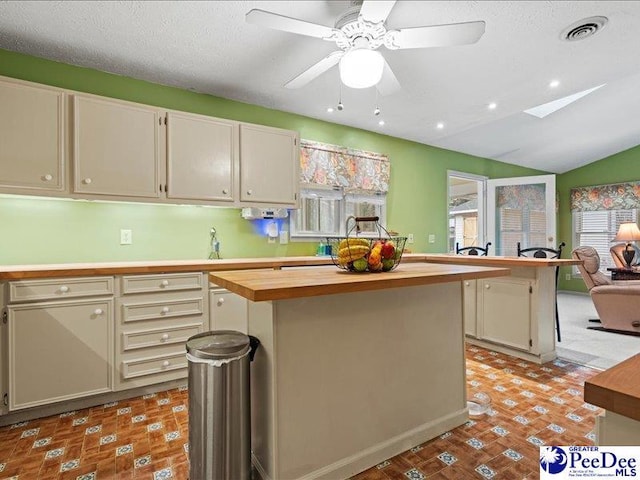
358,33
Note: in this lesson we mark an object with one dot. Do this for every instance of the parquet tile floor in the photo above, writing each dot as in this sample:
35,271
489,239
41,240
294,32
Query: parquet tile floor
146,437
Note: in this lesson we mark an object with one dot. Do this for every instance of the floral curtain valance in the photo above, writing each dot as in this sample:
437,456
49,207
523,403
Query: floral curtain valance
334,166
618,196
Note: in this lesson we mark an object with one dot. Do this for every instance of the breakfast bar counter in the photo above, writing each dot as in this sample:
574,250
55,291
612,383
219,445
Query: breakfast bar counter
352,368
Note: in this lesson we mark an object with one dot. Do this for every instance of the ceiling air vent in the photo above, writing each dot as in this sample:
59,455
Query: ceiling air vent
584,28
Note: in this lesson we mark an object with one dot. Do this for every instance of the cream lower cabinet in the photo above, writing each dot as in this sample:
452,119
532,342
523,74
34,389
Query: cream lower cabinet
469,307
156,315
32,138
504,312
59,349
228,311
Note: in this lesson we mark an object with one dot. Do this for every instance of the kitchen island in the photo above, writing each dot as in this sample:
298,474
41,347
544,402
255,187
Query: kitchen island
353,368
515,314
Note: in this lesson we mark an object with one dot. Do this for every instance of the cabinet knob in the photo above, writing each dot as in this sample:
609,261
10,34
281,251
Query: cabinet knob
98,311
48,177
165,364
64,289
86,181
225,191
249,192
220,301
466,284
164,337
487,286
164,283
165,310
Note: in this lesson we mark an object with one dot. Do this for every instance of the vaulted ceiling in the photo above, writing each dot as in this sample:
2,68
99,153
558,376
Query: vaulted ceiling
210,48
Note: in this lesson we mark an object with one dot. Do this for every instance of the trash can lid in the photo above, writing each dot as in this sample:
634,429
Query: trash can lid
218,344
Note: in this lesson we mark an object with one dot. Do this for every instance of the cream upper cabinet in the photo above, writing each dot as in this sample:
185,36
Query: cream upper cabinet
269,165
116,148
201,155
32,138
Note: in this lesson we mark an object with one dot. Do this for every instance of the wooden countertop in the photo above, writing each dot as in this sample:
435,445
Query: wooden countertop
498,261
260,285
617,389
20,272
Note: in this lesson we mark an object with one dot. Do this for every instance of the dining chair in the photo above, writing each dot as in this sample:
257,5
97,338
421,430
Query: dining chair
482,251
545,252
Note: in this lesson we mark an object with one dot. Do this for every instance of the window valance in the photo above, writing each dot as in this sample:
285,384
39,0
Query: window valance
356,171
617,196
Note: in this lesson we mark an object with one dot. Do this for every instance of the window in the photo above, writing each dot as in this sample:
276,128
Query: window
597,229
323,213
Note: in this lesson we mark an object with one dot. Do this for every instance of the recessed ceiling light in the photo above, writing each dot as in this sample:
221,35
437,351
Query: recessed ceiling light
554,83
330,110
543,110
440,126
492,106
381,122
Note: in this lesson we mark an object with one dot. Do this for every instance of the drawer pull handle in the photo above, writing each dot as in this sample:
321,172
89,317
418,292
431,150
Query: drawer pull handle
64,289
220,301
165,310
487,286
48,177
98,311
87,181
164,337
467,284
164,283
165,364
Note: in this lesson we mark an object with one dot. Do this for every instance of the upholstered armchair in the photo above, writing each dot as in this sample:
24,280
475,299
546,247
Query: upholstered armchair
618,305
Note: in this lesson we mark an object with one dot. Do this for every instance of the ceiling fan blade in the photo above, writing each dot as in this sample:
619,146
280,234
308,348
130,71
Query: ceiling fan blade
388,84
376,10
316,70
288,24
437,35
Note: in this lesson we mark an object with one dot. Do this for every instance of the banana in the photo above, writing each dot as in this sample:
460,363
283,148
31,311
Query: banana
351,253
353,242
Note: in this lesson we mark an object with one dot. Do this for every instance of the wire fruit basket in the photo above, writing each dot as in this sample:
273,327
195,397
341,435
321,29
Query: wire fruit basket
359,254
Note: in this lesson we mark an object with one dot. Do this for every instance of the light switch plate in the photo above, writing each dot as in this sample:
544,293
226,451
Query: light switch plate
126,237
432,238
284,237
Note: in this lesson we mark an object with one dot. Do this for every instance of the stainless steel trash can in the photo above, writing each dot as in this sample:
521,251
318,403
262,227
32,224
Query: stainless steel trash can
219,406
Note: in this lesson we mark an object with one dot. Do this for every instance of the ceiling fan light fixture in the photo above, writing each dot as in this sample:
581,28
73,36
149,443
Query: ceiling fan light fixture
361,68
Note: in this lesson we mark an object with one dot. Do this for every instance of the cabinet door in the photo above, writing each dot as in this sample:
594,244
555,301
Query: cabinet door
269,165
32,138
200,156
59,351
505,312
469,308
228,311
116,148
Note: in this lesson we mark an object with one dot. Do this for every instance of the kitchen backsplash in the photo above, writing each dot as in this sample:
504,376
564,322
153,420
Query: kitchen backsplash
39,230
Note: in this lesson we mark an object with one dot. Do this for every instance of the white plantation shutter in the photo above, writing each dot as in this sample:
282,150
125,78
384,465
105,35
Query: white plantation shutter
597,229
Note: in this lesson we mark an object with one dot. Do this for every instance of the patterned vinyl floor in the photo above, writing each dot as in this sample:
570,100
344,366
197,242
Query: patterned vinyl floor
146,437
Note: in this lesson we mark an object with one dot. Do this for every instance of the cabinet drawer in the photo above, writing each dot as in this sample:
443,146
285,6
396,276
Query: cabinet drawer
162,282
59,288
154,365
159,336
139,311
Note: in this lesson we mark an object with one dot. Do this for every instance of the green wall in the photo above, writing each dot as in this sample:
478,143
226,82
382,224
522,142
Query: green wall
621,167
37,231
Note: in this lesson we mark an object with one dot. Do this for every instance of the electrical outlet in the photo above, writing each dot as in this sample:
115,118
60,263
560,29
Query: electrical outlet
126,237
271,239
410,238
567,276
284,237
432,238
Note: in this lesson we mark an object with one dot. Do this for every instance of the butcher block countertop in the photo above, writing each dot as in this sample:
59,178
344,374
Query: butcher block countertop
616,390
260,285
498,261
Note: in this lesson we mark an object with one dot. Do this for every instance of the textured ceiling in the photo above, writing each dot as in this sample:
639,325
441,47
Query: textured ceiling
208,47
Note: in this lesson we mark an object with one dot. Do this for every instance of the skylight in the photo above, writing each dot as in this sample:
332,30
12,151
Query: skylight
545,109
